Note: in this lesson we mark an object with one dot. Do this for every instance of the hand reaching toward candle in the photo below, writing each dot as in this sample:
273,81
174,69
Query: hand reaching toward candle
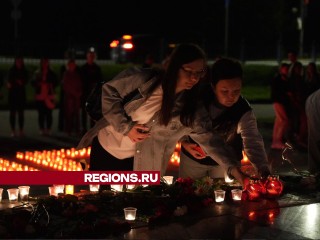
194,149
242,178
138,133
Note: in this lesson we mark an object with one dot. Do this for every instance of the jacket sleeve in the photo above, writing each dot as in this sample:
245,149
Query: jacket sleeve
253,142
113,93
212,143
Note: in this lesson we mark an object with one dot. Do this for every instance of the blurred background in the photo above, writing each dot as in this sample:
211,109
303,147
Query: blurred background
246,29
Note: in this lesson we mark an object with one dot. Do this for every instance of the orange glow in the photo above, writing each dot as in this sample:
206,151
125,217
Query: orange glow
251,215
245,159
114,43
127,37
175,158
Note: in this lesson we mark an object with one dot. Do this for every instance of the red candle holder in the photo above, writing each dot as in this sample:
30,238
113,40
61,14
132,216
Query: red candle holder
254,190
273,186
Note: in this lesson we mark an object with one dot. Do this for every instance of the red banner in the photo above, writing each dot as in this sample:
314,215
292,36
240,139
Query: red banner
79,177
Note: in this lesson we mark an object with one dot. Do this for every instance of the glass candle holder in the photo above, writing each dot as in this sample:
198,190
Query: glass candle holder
130,213
69,189
236,194
52,191
13,194
117,188
24,193
168,179
58,189
1,191
94,187
219,195
130,186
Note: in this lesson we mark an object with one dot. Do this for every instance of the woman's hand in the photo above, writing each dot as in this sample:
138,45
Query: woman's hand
138,133
242,178
194,149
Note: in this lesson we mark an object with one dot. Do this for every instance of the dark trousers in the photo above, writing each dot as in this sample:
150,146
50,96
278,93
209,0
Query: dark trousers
45,115
101,160
12,118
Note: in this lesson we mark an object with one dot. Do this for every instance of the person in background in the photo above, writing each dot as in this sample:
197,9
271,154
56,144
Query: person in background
313,116
44,83
72,88
293,60
18,77
282,107
145,113
91,74
298,94
312,78
68,55
232,118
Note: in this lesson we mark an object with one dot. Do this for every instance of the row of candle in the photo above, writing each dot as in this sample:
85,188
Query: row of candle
14,193
62,160
50,161
219,194
55,190
71,153
7,165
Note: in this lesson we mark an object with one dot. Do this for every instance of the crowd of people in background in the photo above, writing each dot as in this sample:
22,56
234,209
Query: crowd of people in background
75,83
290,89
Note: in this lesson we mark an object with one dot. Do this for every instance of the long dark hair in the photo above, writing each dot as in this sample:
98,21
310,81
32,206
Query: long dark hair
182,54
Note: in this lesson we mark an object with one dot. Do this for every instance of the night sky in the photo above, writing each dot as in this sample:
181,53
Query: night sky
57,24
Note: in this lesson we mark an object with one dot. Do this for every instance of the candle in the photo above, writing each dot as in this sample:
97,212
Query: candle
236,194
69,189
13,194
94,187
168,179
130,187
1,190
52,191
58,188
219,195
130,213
117,188
24,193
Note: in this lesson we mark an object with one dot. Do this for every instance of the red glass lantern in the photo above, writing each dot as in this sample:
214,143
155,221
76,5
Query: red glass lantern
273,186
254,190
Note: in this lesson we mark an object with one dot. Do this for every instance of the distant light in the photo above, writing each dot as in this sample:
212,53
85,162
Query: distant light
299,23
114,43
127,46
91,49
127,37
